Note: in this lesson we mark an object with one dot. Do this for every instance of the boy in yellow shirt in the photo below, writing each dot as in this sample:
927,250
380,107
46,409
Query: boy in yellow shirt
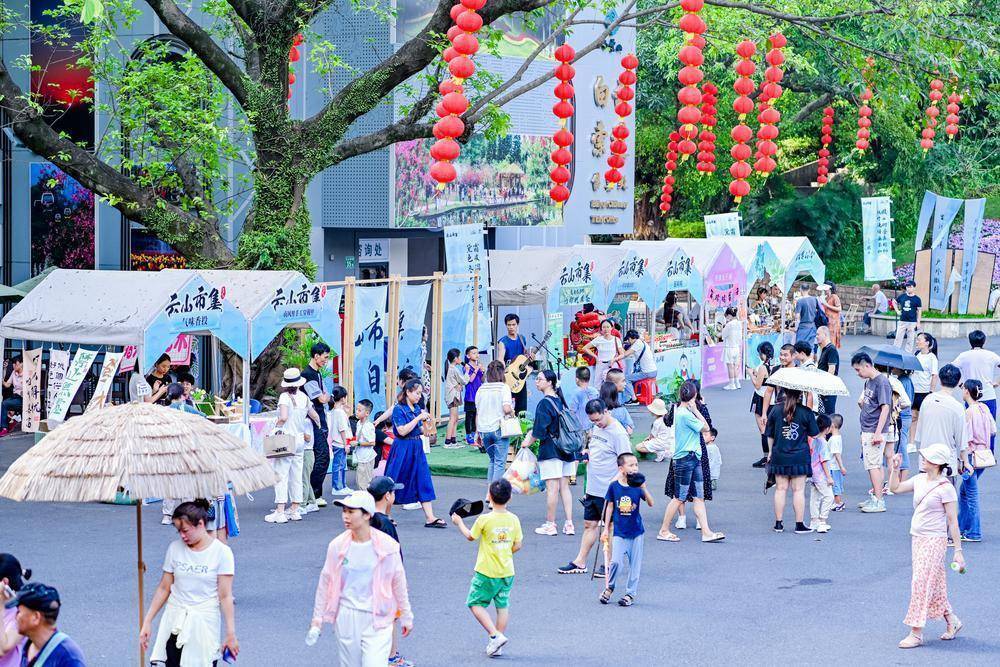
499,534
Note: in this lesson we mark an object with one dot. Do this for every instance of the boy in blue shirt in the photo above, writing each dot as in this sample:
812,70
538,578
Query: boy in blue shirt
621,510
584,394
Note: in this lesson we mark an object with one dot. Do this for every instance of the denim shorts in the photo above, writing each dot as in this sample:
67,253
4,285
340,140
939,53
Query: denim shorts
687,469
838,482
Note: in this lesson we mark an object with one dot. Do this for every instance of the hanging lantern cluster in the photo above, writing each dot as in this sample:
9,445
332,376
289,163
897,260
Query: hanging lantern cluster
453,101
563,138
927,134
769,116
865,111
826,138
293,57
951,121
741,133
625,94
706,147
668,181
690,97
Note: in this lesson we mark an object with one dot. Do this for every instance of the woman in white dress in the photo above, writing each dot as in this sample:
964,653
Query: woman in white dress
606,348
294,411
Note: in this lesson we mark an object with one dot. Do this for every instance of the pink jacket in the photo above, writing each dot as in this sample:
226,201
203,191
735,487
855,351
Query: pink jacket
389,596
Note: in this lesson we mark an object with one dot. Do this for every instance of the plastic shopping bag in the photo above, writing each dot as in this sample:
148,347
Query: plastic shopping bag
523,473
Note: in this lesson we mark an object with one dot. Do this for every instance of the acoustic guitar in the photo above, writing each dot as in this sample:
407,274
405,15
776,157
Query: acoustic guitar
519,369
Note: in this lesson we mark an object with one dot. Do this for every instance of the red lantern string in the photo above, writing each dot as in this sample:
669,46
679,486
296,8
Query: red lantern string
951,121
667,190
865,111
690,97
927,134
625,94
769,116
741,133
453,104
826,138
706,147
293,57
563,138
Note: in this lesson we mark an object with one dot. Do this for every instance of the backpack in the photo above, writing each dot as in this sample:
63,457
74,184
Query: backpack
569,437
821,320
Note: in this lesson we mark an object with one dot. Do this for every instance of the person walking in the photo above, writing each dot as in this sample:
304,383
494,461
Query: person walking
876,406
554,466
407,462
790,425
981,364
832,308
195,594
622,504
924,381
509,348
935,519
606,348
493,402
294,413
765,352
670,484
319,357
942,417
732,341
980,427
806,309
829,362
362,588
12,579
910,308
38,608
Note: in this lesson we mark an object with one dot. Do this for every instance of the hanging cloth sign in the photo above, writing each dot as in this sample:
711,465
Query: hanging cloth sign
924,219
412,311
723,224
972,232
464,253
298,302
945,210
58,365
74,378
877,237
370,345
108,371
31,390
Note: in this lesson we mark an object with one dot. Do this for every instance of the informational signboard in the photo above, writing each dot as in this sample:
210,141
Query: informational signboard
722,224
31,390
575,286
876,224
74,378
465,254
107,377
128,360
298,302
58,365
373,251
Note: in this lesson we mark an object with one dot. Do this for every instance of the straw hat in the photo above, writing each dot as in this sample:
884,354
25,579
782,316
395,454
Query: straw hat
657,407
150,450
292,378
937,453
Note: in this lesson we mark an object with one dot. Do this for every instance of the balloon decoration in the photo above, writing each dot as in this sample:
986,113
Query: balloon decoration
865,111
689,96
625,94
927,134
563,138
706,147
826,138
453,104
668,181
769,116
741,133
951,121
293,57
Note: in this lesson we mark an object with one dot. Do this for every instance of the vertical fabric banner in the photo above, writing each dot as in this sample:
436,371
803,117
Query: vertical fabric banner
554,326
924,219
412,315
464,253
972,232
945,210
723,224
58,365
103,389
877,239
31,390
74,378
457,312
370,345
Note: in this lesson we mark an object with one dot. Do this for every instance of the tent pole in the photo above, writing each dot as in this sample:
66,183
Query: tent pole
141,570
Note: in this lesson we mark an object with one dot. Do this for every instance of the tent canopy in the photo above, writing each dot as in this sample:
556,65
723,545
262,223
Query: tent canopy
797,256
523,277
667,267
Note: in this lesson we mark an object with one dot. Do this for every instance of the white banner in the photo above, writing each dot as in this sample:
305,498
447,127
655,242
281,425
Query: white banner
464,253
103,388
972,232
74,378
877,237
924,219
58,365
31,390
722,224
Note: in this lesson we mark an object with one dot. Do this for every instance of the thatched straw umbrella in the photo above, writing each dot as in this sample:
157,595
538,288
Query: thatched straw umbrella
149,450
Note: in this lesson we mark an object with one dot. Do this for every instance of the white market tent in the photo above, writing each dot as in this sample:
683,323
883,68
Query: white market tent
523,277
797,257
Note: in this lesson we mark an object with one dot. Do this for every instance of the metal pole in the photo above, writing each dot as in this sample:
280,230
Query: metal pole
475,309
141,570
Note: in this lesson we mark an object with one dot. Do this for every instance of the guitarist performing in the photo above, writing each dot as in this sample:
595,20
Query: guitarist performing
509,348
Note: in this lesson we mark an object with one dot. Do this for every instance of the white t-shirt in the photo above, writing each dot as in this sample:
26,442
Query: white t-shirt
604,447
357,574
643,356
338,426
922,379
836,445
196,573
980,364
298,417
606,348
365,432
732,334
929,498
942,419
490,400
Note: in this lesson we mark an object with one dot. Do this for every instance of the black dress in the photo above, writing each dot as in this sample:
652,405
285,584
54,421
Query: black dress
705,468
790,454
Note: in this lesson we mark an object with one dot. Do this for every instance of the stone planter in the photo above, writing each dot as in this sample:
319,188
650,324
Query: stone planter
883,325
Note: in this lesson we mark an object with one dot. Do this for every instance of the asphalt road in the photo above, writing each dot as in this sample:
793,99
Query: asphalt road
757,598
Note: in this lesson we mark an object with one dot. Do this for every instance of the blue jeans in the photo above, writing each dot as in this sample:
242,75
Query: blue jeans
12,404
968,506
622,548
687,469
631,378
992,405
338,472
838,482
905,419
497,448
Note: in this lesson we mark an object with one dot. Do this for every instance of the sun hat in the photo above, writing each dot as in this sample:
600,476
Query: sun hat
359,500
657,407
292,378
937,453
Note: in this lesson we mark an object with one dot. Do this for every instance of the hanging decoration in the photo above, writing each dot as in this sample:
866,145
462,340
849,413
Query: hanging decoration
951,121
625,94
927,134
563,138
667,190
293,57
690,97
706,147
453,104
741,133
865,111
768,117
826,138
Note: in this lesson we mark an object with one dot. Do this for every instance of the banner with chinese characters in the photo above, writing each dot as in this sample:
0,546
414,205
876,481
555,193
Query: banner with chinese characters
456,313
128,360
74,378
465,254
972,232
806,261
722,224
373,251
877,237
31,390
196,308
413,301
298,302
634,277
102,390
725,285
370,327
576,285
180,350
924,219
677,275
945,210
554,326
58,365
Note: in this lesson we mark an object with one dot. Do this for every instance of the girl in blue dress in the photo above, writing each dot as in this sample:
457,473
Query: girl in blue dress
407,462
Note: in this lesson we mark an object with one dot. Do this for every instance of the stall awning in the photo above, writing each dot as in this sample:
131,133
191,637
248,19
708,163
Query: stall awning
523,277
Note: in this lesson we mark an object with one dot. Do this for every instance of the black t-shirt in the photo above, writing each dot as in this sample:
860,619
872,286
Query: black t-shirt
908,306
381,522
829,356
791,437
164,381
312,375
546,427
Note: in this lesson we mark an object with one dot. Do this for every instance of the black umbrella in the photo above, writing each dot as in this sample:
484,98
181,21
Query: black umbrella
892,356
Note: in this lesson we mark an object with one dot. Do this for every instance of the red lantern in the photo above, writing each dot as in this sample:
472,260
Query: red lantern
932,112
741,133
465,43
769,116
443,173
455,103
624,94
826,137
706,147
559,194
951,127
865,111
563,110
445,150
565,53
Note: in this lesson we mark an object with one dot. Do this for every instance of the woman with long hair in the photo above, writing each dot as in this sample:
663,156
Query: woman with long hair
407,462
832,307
670,485
12,578
765,352
196,594
609,394
554,466
606,348
494,401
789,427
980,427
925,381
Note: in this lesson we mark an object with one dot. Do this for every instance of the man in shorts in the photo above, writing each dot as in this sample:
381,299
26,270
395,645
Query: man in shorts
875,404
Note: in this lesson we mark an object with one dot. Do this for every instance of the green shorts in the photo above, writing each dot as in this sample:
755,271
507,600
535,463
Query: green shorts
486,590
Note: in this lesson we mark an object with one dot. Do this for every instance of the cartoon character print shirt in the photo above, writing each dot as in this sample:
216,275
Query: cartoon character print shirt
625,501
497,533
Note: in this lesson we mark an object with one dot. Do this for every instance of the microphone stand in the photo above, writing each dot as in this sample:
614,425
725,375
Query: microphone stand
557,362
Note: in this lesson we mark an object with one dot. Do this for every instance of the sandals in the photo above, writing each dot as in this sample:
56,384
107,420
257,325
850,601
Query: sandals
715,537
626,601
669,537
606,596
436,523
911,641
953,629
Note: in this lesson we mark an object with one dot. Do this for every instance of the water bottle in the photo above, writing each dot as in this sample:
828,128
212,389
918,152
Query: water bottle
957,568
312,636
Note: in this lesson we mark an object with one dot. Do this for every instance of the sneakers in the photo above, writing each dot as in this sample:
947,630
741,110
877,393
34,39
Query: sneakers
346,491
309,509
873,505
823,528
321,502
293,515
600,572
802,529
871,497
276,517
568,528
839,507
496,643
166,520
681,523
396,660
572,568
760,463
547,528
410,506
779,527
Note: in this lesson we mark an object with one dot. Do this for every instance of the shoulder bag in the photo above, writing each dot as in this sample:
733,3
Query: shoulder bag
569,438
279,444
983,458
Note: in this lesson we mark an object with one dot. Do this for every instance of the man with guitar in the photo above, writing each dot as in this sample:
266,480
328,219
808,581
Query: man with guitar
512,350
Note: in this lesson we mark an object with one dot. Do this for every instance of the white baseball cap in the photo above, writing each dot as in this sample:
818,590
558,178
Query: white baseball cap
937,453
359,500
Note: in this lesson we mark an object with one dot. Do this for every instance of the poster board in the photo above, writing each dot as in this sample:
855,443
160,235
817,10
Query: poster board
298,302
982,279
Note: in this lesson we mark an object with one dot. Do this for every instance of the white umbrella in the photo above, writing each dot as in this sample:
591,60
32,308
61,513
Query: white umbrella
809,379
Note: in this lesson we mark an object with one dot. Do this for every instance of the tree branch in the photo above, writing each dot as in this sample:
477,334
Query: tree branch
405,129
813,107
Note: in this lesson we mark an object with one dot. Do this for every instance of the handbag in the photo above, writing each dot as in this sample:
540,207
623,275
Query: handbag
983,458
510,427
278,445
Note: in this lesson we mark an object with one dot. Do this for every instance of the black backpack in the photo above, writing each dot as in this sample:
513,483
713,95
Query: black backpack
569,438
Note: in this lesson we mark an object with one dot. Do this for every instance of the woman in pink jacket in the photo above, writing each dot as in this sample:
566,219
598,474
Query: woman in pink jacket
362,588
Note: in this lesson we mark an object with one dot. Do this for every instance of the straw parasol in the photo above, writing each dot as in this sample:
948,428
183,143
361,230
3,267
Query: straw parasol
808,379
149,450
